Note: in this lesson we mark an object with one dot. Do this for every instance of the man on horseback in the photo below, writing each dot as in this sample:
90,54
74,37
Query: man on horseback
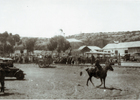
98,68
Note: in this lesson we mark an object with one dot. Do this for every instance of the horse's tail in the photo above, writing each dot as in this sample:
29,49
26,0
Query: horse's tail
81,72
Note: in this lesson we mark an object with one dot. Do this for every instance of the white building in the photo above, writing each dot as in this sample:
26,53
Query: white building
84,49
123,48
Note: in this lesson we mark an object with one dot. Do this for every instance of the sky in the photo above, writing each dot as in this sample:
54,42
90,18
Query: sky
45,18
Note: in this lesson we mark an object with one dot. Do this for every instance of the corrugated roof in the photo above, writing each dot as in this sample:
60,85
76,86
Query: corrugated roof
94,47
90,47
80,48
73,40
122,45
97,52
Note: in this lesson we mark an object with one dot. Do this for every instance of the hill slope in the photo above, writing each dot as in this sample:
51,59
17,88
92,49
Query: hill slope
103,38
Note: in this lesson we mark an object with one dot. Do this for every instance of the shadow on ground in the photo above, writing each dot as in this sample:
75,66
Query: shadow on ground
15,80
8,94
110,88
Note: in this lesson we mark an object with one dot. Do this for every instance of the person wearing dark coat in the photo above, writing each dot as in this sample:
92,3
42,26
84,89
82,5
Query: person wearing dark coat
92,59
98,67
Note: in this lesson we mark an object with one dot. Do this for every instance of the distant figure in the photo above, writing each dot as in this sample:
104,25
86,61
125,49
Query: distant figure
87,59
92,59
2,78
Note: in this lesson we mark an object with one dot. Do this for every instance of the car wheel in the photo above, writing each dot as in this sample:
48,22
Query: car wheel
41,65
19,76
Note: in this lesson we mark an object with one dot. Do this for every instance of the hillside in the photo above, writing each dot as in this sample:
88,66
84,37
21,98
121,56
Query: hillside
93,39
103,38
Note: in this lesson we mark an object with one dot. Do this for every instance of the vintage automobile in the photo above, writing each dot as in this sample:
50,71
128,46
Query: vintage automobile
136,57
45,61
10,70
103,57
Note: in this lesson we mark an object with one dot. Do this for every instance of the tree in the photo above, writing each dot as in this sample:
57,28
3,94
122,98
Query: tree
11,40
58,43
29,44
88,41
7,42
16,37
62,44
52,45
8,48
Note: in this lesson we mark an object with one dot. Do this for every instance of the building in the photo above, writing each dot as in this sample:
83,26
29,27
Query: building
84,49
123,48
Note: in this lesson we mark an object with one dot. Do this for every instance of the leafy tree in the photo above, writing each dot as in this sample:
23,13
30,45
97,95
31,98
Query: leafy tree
7,42
62,44
8,48
11,40
16,37
29,44
58,43
88,41
52,45
5,34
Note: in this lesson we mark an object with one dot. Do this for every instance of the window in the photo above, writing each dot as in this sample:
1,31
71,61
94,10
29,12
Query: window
126,51
116,51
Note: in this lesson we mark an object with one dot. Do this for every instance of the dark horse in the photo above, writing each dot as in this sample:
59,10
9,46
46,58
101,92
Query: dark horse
101,74
2,79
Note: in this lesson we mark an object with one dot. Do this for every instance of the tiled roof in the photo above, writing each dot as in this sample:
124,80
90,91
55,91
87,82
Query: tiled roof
122,45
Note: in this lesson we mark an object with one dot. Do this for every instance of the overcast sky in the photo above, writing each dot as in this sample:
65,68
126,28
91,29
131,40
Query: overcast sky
44,18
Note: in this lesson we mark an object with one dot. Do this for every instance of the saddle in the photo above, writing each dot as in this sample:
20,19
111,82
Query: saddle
97,73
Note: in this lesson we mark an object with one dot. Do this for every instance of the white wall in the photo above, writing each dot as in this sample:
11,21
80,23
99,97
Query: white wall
18,51
120,50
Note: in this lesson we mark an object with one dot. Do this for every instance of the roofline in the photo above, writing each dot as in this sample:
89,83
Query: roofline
121,43
97,53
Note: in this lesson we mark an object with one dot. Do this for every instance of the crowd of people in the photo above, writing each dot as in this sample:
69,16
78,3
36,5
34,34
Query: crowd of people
73,59
56,59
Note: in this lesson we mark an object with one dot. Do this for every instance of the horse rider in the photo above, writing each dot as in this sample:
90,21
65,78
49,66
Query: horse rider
98,67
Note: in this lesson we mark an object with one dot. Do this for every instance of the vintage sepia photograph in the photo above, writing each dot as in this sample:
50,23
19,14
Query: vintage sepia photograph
69,49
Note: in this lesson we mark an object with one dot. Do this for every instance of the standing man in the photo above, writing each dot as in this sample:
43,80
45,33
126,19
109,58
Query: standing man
92,59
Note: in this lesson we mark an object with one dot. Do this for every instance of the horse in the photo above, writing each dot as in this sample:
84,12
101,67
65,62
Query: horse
101,75
2,79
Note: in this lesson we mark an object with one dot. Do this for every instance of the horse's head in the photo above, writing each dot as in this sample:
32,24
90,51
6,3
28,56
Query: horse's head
109,66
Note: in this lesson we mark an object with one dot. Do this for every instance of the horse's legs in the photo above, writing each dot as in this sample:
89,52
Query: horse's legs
91,81
101,82
87,81
104,82
2,86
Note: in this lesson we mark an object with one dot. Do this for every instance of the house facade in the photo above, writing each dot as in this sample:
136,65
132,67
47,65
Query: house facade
84,49
123,48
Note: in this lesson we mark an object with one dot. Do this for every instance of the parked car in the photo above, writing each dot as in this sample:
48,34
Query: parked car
136,57
10,70
45,62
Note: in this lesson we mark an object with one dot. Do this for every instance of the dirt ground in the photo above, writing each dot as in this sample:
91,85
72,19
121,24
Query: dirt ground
65,82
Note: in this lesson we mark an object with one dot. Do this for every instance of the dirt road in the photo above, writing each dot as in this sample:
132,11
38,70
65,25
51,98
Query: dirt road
64,82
